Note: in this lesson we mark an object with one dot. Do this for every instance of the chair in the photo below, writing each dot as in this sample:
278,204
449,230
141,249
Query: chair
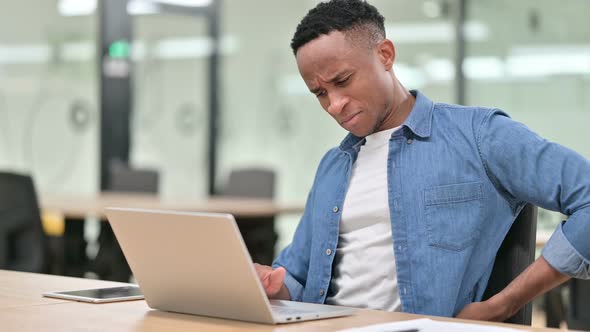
516,253
110,263
258,233
578,315
251,183
125,179
22,242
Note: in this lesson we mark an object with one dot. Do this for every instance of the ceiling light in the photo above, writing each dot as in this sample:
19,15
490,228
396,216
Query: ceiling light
76,7
185,3
25,54
435,32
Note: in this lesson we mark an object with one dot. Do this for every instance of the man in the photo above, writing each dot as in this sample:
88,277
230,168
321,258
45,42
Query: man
408,213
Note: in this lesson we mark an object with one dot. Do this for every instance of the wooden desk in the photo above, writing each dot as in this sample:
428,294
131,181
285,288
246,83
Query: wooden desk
80,206
35,313
18,289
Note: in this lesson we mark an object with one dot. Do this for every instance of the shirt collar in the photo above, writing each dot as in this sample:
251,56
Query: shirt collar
420,119
419,122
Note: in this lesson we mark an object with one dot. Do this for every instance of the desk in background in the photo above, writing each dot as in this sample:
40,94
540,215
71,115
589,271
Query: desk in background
80,206
110,263
23,309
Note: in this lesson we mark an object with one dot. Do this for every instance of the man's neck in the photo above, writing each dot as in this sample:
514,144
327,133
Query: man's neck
404,102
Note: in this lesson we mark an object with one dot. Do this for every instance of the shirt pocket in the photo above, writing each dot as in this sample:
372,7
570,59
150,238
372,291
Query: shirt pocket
452,214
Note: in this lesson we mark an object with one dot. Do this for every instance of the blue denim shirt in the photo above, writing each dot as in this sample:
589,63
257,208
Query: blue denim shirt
457,178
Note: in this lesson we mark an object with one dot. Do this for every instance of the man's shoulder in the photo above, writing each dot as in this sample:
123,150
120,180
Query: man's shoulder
458,114
462,109
333,158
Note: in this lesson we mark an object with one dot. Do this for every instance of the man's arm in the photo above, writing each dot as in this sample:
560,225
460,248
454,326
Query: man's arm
537,279
527,168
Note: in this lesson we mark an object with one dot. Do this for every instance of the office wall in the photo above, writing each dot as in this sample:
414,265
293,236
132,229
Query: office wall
530,58
539,56
170,105
535,65
48,101
268,118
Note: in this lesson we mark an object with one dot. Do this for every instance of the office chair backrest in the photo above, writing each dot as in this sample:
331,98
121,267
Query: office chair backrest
110,263
258,233
515,254
125,179
578,315
250,182
22,242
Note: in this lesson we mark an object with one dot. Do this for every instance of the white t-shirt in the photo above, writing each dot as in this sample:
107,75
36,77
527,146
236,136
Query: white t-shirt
364,266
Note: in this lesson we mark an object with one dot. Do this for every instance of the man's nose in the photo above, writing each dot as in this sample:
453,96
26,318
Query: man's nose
337,103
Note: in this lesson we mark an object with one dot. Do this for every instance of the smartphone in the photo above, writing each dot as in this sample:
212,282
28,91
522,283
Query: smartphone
100,295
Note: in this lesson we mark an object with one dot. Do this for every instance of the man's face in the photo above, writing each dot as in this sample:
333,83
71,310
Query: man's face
352,83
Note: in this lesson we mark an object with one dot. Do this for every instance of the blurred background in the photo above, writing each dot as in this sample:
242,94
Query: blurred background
194,90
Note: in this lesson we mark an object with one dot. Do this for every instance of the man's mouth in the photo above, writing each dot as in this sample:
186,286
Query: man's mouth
349,118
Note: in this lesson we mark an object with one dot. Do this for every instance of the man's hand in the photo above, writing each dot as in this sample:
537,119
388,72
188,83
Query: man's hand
490,310
537,279
273,281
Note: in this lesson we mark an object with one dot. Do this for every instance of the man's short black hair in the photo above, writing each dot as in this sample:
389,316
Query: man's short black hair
354,16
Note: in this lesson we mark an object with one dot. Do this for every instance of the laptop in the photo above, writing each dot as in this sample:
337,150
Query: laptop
197,263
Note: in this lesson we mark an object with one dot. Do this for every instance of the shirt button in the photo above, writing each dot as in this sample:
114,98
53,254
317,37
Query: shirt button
328,251
335,209
410,141
322,292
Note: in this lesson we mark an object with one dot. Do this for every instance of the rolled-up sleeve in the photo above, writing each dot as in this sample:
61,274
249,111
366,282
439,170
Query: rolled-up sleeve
527,168
564,257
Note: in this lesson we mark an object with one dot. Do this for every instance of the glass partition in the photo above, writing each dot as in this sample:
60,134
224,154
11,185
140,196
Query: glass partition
170,101
535,65
48,96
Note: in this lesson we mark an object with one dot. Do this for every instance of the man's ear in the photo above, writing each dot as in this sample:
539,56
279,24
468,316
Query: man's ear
386,53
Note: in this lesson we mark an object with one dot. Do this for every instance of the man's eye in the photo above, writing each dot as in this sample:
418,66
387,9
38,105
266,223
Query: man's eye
320,94
343,81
